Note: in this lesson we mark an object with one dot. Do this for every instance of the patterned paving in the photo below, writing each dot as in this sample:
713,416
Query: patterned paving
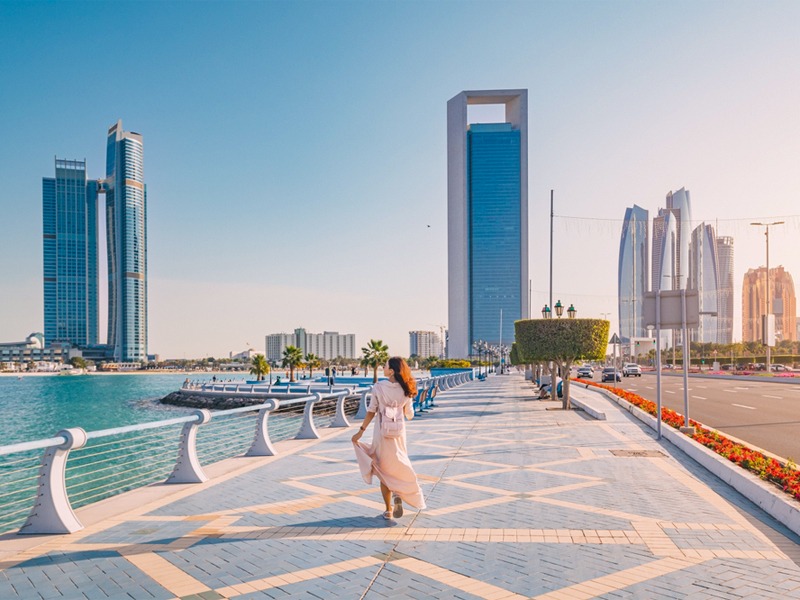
524,502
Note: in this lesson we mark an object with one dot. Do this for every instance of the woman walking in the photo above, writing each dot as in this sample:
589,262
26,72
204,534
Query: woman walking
387,458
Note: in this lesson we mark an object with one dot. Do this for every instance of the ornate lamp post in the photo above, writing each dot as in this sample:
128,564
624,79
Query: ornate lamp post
571,311
559,309
546,312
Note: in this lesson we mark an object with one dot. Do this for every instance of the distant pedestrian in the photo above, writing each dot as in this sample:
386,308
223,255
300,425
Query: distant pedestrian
387,456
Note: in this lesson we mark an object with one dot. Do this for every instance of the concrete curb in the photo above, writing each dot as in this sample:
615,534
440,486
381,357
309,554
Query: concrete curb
589,410
761,493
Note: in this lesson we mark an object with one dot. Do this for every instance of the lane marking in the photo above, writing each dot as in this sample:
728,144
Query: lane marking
743,406
731,391
776,397
650,387
700,397
669,391
703,387
738,387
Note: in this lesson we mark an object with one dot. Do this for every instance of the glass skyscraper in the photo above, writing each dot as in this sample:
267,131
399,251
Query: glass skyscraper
633,272
680,204
704,277
725,305
69,227
126,225
487,221
494,261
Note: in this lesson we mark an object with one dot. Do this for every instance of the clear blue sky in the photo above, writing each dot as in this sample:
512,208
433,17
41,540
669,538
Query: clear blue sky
295,152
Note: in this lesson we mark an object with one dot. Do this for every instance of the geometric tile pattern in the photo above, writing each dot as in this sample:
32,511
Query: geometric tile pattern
523,502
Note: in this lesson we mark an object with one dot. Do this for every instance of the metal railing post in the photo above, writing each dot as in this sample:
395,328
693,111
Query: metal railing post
187,468
262,445
52,512
308,431
340,420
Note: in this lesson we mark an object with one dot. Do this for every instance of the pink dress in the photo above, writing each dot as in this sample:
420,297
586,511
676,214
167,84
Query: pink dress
387,458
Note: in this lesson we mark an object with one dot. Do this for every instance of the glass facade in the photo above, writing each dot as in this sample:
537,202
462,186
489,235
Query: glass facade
679,203
633,272
493,176
703,277
69,226
725,309
665,252
126,218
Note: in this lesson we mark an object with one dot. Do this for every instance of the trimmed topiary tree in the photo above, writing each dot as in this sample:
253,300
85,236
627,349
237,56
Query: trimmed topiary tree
564,341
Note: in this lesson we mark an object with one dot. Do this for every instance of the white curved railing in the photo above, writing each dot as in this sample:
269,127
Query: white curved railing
78,467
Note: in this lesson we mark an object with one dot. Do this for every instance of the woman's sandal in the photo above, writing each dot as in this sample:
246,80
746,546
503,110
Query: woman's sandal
398,507
387,515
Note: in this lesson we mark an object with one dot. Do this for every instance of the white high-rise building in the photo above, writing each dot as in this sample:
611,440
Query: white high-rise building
331,344
277,343
327,345
425,344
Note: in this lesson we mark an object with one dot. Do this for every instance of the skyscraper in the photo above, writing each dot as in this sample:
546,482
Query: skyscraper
783,303
679,204
725,304
487,220
704,277
126,225
633,272
665,251
69,219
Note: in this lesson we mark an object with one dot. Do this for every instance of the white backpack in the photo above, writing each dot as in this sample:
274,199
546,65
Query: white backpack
391,421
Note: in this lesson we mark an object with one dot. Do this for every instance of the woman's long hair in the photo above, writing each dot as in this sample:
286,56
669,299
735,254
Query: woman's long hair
402,373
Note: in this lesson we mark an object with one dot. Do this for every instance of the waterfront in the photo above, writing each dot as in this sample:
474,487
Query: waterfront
37,407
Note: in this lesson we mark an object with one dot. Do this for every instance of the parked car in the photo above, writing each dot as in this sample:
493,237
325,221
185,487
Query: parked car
609,373
631,370
585,371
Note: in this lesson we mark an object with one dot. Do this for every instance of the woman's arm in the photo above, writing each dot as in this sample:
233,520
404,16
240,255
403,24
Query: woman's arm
408,409
364,425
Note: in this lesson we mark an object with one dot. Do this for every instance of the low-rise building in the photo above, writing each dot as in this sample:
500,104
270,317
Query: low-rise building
327,345
425,344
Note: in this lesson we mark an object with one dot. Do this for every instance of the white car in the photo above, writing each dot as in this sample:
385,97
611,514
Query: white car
631,370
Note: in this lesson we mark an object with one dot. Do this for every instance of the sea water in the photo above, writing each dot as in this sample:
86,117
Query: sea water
37,407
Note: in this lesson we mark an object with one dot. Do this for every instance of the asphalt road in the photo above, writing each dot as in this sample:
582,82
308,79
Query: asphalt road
765,414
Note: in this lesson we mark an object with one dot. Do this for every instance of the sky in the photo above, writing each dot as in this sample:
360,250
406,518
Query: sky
295,152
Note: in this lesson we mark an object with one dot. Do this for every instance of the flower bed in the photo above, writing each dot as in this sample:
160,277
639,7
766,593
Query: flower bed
785,476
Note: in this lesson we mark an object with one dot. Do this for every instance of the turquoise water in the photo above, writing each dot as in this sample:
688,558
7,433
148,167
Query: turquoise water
32,408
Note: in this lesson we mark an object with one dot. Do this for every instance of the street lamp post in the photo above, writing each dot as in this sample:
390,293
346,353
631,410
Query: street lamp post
765,324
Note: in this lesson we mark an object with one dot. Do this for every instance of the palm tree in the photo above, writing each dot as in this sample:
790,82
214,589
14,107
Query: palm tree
292,358
376,353
312,362
259,367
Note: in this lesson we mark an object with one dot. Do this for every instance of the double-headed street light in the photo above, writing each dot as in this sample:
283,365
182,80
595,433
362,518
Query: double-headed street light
765,324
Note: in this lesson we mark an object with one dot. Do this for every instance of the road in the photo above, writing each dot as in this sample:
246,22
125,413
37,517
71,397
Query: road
764,414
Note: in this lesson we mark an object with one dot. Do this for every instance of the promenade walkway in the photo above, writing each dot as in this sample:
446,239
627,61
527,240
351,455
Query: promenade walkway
524,502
